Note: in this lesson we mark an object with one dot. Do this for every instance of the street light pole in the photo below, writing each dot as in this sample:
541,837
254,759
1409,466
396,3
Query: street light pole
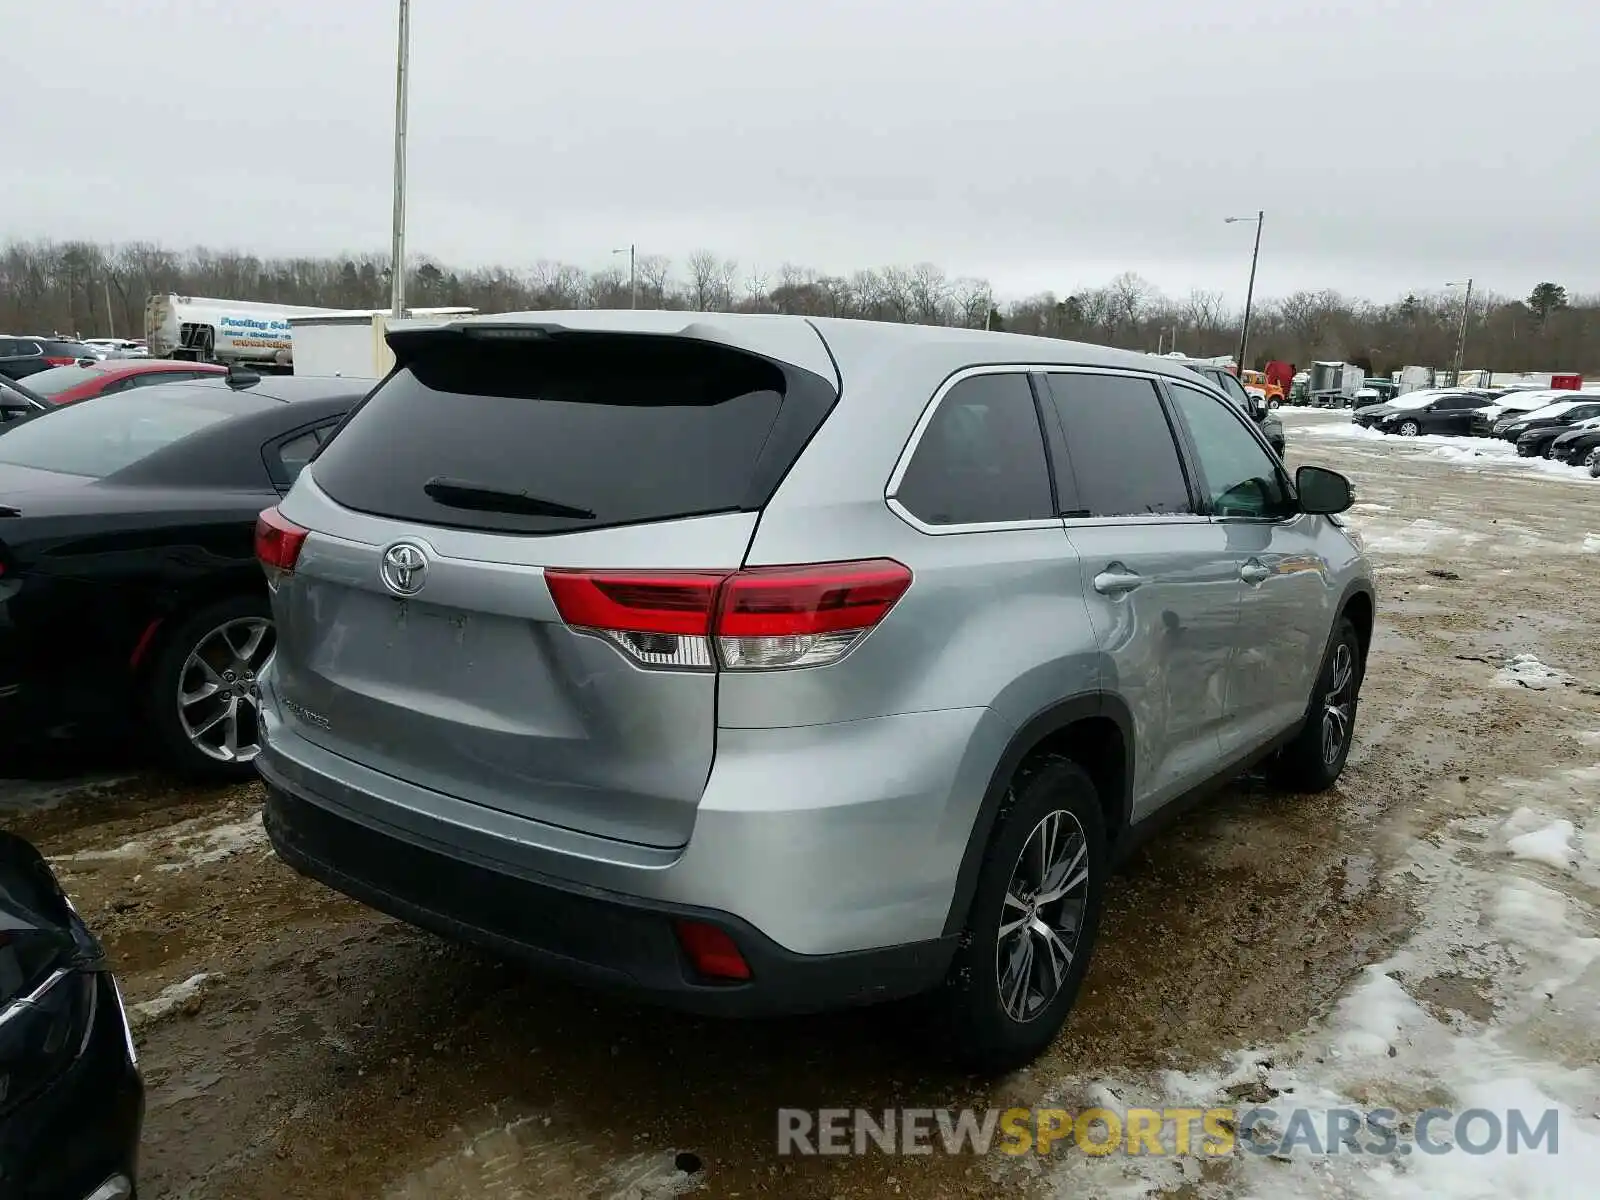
1250,292
397,253
633,274
1461,337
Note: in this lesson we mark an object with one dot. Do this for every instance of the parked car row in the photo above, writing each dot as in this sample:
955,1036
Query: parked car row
1561,425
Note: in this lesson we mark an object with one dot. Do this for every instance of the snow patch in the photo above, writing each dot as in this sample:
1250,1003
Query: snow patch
191,843
1488,1005
1525,670
166,1002
1550,844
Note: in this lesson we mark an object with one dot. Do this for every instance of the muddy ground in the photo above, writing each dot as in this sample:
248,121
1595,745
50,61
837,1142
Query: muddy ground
296,1044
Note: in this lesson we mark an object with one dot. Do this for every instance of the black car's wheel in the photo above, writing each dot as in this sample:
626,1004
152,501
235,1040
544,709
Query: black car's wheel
1409,429
1592,461
1316,757
1549,450
1033,920
202,694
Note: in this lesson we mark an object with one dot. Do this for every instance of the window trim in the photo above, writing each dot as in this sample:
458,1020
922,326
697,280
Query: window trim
1180,435
271,450
908,451
1191,451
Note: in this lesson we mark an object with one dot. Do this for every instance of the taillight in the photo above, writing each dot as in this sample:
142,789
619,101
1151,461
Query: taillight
755,619
661,618
59,362
278,542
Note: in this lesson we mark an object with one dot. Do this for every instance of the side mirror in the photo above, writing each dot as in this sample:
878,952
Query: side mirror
1323,491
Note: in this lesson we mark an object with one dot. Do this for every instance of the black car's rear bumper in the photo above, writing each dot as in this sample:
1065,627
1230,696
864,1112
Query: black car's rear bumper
82,1130
620,943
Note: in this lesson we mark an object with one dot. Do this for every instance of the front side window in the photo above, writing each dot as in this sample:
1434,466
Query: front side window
1239,476
981,458
1124,458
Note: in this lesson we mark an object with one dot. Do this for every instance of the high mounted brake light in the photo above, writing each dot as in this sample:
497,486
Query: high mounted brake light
756,619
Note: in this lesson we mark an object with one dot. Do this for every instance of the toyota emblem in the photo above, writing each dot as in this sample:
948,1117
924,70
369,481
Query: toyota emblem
405,568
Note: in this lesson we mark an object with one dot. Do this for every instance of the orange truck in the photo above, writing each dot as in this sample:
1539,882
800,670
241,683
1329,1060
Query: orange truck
1259,385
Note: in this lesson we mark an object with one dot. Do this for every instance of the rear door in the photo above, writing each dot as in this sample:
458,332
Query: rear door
418,635
1163,585
1452,414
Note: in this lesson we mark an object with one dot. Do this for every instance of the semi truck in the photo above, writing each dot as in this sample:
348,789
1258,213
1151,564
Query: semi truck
204,329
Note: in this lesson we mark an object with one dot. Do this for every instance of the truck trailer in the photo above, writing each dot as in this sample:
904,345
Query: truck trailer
203,329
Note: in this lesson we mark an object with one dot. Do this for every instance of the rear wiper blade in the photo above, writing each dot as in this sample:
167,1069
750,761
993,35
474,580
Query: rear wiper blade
459,494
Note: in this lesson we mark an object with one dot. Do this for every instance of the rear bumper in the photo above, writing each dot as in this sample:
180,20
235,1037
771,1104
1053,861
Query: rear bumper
620,943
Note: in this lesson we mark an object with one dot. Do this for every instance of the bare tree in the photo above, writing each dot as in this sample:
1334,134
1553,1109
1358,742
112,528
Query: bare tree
705,273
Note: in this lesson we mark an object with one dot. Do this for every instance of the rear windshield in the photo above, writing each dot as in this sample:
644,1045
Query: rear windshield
58,379
116,431
56,349
578,432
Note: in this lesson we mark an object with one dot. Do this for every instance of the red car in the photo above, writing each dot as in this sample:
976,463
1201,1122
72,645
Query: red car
68,385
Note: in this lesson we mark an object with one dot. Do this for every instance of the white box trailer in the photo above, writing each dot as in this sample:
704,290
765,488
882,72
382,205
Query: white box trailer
1335,384
351,341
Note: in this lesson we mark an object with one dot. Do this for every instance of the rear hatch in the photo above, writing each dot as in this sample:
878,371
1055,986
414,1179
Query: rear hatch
417,634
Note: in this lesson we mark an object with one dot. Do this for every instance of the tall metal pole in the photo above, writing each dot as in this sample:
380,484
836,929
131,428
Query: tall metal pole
633,276
1250,293
397,253
1461,338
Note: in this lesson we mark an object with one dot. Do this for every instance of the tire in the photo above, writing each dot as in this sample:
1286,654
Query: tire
1273,404
1592,461
1306,764
193,656
1549,450
994,1028
1409,429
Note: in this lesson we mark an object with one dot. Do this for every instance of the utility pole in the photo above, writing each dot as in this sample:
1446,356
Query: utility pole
633,273
1461,338
1250,293
397,254
111,319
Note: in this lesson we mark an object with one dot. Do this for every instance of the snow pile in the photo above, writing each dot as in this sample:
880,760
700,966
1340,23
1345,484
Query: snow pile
1490,1005
1527,671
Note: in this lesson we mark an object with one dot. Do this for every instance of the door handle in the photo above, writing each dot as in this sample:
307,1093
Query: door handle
1116,580
1255,572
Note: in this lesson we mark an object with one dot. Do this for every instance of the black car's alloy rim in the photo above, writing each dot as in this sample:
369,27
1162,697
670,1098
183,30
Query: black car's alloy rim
219,694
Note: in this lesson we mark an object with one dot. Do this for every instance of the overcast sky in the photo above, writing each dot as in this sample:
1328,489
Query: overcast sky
1394,144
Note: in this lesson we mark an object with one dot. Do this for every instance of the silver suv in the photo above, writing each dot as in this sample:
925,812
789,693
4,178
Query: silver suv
760,664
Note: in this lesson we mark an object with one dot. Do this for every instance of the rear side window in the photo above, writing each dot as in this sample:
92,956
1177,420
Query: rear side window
981,458
56,380
577,432
1123,453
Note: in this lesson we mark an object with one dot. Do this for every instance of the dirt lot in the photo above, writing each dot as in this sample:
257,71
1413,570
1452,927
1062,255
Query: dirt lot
296,1044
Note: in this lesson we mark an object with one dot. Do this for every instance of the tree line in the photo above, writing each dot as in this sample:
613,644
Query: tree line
94,290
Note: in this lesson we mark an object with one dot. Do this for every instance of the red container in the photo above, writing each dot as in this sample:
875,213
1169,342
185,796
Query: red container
1569,383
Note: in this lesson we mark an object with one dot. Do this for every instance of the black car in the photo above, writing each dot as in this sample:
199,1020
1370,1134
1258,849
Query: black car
1578,446
24,356
1557,417
1409,416
16,401
129,586
71,1100
1228,384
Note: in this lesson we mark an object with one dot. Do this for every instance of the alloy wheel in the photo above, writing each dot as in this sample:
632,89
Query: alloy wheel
219,690
1337,703
1410,429
1592,460
1042,916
